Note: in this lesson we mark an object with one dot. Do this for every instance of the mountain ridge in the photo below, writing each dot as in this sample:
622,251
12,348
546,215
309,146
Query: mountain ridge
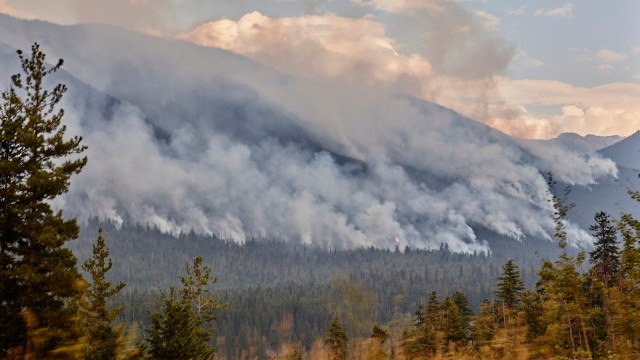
331,164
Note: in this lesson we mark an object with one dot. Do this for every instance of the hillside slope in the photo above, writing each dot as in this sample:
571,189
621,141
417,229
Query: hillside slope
201,139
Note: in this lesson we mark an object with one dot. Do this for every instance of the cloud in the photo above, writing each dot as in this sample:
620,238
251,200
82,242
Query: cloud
605,67
359,51
5,8
611,109
527,61
403,6
607,55
636,49
517,12
532,62
564,11
315,46
488,21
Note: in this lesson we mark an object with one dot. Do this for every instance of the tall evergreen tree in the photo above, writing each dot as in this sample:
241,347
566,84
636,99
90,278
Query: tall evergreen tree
103,337
39,284
626,296
605,256
179,332
510,285
455,329
175,333
336,339
461,301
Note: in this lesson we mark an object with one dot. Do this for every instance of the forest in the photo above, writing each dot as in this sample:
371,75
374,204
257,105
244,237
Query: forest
140,293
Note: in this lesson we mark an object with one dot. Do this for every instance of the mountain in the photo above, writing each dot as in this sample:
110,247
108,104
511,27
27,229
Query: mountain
584,144
610,194
187,138
626,152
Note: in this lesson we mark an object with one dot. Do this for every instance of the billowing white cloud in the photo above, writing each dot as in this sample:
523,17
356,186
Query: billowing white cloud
359,50
564,11
315,46
605,110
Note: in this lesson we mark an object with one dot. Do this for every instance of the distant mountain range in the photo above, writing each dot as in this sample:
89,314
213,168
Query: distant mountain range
185,138
584,144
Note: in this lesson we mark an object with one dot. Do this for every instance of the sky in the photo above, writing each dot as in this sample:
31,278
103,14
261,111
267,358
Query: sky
529,69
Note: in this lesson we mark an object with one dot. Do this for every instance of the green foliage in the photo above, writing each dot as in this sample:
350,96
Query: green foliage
605,257
195,289
39,282
484,324
175,333
336,340
103,339
625,302
455,327
533,314
178,332
510,285
379,333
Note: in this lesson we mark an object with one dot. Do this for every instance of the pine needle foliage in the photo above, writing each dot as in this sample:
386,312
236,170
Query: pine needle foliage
40,285
103,336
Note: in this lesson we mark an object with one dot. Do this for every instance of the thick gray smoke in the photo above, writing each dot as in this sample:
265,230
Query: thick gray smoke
198,139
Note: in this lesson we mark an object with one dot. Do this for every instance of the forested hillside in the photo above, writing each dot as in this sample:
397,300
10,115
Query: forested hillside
269,284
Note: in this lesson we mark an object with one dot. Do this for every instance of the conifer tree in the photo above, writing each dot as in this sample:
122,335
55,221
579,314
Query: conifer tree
378,337
510,285
626,296
420,341
533,314
461,301
336,339
484,324
39,282
179,332
605,256
103,338
175,333
455,329
561,286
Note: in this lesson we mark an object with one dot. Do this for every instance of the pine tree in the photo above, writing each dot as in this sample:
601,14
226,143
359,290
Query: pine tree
376,349
484,324
179,332
533,313
461,301
174,333
455,329
510,285
626,296
40,284
420,340
566,312
103,338
336,339
195,289
605,256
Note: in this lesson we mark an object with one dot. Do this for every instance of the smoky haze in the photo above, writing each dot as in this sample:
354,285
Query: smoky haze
189,138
